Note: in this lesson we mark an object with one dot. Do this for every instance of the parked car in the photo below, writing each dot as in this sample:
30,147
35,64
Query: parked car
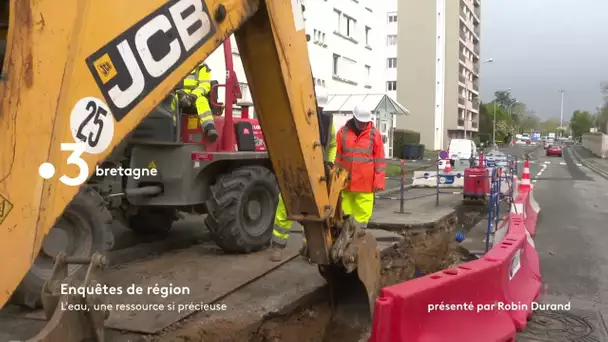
555,150
548,143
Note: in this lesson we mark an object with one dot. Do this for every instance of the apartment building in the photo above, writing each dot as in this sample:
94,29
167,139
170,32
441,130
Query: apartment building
346,47
391,49
438,68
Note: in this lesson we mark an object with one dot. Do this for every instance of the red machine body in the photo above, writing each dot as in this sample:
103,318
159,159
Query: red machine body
476,182
227,125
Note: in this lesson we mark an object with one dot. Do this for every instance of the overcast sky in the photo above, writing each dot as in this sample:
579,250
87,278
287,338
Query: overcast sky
540,46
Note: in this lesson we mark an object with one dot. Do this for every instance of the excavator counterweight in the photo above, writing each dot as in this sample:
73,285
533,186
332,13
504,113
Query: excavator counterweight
78,77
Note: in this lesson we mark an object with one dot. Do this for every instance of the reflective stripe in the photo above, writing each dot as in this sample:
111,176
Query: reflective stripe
369,150
355,158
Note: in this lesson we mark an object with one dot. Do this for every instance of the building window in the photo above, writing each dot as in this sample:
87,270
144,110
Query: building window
391,85
336,65
337,20
319,37
391,40
368,74
392,18
350,26
391,63
368,31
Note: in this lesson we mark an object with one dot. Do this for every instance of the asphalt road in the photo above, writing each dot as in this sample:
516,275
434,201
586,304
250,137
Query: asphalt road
572,242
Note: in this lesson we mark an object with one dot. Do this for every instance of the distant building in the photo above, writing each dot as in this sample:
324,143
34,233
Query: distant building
438,65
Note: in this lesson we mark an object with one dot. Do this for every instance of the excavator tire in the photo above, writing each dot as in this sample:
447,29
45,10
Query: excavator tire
152,221
241,209
84,228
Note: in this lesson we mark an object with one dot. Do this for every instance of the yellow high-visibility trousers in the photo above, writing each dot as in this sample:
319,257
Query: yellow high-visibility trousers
203,110
359,205
282,226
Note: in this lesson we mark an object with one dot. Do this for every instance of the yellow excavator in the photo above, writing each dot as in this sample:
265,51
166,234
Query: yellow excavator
106,65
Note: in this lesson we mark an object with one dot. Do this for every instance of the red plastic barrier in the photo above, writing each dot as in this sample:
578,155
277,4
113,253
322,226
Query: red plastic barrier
521,285
412,311
531,214
517,225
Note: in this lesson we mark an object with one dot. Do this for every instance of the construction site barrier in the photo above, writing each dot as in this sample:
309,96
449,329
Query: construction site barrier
488,299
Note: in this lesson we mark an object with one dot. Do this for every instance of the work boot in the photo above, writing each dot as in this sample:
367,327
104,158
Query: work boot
211,134
277,251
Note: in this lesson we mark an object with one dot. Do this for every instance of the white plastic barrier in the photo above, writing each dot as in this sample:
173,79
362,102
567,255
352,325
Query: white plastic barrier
428,179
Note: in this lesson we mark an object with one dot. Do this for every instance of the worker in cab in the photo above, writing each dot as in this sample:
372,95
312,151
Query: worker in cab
360,151
192,96
282,225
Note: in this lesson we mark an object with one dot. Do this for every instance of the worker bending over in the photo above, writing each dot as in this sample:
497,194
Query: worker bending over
282,225
360,151
193,95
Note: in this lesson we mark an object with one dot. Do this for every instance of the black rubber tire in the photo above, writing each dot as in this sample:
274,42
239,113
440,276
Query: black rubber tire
226,218
152,221
88,208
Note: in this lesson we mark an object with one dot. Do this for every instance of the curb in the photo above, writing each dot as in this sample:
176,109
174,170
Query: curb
597,170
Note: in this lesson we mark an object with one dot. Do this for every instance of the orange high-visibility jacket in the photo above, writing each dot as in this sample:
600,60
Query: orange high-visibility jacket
362,156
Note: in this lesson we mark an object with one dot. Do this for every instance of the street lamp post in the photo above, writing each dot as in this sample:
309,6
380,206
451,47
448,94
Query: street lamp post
561,115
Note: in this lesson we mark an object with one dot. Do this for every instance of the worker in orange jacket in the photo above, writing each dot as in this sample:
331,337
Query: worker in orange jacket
360,151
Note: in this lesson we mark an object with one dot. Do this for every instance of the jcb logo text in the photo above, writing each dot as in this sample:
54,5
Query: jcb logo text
133,64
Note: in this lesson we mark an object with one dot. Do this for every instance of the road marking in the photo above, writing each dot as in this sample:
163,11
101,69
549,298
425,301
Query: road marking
579,165
562,163
534,181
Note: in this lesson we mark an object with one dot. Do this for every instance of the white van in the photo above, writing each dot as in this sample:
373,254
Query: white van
459,152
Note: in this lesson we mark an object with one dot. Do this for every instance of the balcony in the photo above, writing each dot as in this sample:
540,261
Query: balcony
462,57
476,69
462,79
460,123
475,125
476,86
476,49
477,30
463,36
461,100
477,11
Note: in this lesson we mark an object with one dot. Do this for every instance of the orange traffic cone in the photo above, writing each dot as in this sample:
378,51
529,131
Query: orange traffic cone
524,184
448,166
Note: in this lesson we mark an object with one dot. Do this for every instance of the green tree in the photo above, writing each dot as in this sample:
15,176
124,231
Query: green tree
486,120
581,122
503,99
549,126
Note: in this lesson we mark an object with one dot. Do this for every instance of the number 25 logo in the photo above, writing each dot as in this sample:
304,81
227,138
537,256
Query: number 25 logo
91,124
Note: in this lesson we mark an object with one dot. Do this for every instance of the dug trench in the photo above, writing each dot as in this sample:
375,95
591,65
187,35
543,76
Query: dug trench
419,250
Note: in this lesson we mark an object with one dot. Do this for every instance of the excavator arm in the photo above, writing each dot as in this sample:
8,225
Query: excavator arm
89,71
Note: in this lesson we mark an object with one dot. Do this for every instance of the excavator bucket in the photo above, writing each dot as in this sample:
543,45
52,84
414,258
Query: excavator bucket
73,317
354,278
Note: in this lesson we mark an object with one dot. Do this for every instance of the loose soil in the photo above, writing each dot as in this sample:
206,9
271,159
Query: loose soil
419,253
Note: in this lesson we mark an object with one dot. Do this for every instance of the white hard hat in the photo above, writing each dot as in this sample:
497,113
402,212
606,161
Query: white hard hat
362,113
322,96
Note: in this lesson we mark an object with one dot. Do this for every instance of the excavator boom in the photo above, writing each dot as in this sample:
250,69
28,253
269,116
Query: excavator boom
80,75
